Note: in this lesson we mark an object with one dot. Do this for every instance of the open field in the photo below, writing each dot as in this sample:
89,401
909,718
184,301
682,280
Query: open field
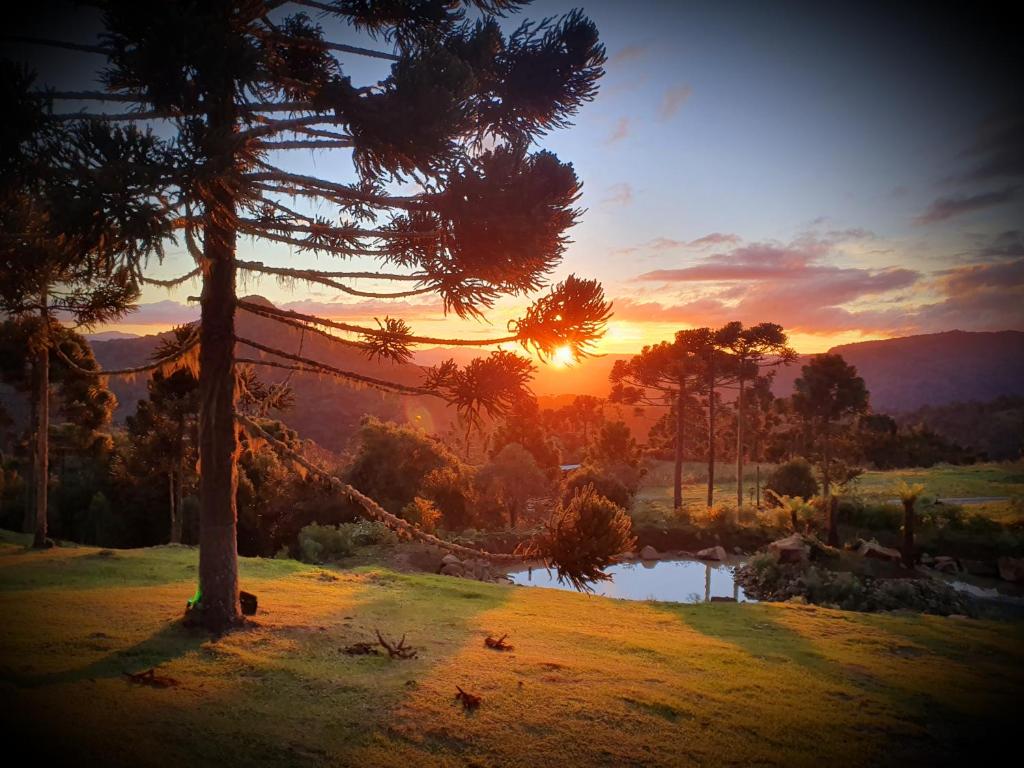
1004,481
591,681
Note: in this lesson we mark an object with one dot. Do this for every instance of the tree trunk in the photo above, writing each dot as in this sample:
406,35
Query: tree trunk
28,521
677,477
42,462
739,447
711,435
177,482
908,533
218,439
826,475
757,482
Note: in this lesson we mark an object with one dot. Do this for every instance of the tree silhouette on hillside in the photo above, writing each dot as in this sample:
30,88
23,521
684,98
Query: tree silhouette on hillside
448,195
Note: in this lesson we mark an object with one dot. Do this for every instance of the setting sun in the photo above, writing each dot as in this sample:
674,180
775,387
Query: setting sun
563,357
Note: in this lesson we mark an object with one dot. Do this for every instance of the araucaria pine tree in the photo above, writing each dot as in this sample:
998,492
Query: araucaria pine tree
445,192
54,261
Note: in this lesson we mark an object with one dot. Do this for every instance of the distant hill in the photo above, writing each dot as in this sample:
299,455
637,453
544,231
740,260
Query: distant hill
902,374
939,368
326,410
110,335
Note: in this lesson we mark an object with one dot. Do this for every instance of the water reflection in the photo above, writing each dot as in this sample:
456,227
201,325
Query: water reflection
676,581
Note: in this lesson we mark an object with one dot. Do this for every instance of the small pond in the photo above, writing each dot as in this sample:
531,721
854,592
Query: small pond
675,581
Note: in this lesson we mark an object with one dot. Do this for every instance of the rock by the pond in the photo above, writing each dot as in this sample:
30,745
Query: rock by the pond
450,559
945,564
712,553
876,551
1011,568
649,553
985,568
453,569
792,549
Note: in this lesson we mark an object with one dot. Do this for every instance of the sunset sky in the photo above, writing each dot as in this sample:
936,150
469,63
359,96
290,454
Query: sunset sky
849,174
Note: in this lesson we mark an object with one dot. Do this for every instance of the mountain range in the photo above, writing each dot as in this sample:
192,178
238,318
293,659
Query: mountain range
902,374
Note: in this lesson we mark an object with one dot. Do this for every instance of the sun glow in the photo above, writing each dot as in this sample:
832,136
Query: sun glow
563,357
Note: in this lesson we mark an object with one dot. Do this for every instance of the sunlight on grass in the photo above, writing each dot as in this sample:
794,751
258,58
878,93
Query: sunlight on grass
590,681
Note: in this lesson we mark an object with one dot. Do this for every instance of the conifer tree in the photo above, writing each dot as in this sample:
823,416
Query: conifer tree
759,346
447,191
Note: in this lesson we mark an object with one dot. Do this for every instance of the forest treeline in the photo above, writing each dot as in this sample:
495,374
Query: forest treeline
136,484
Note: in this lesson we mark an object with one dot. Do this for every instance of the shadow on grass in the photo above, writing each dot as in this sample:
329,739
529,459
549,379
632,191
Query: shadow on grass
921,726
171,642
763,637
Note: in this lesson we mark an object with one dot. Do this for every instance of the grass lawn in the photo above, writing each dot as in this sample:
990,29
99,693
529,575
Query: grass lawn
942,481
591,681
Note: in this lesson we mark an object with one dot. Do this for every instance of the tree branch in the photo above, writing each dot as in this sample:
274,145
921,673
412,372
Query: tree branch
314,277
372,508
312,319
349,375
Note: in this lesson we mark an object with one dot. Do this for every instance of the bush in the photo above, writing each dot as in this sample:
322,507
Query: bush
366,532
605,483
320,543
794,478
874,517
584,536
774,519
422,512
323,543
720,517
941,516
764,579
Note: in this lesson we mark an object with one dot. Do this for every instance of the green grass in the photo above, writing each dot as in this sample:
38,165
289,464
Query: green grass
945,481
942,481
591,681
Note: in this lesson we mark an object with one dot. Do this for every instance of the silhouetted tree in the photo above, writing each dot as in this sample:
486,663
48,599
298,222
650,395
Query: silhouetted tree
235,84
52,264
523,425
511,479
84,401
752,349
665,375
908,494
163,428
828,391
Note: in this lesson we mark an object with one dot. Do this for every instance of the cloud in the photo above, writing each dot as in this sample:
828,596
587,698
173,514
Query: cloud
673,100
166,312
618,194
799,285
715,238
629,53
947,207
998,151
1005,245
792,284
619,131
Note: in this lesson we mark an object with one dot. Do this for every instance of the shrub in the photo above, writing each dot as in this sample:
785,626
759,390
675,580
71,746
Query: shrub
321,543
875,517
422,512
794,478
942,516
604,482
655,514
774,519
719,517
366,532
584,536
